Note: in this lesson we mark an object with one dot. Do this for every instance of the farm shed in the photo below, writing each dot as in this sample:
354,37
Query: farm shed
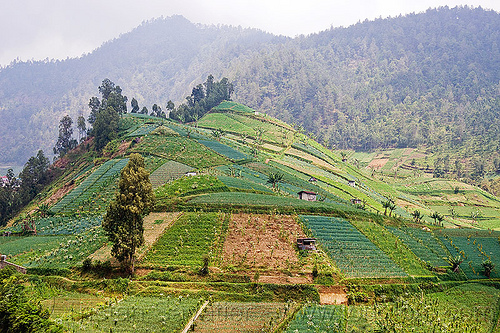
352,183
312,180
307,195
306,244
356,201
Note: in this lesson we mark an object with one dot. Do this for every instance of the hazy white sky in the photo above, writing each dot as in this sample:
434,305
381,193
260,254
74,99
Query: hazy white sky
39,29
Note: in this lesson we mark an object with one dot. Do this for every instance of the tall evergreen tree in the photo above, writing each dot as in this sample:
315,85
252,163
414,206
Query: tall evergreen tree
135,106
123,222
105,127
65,141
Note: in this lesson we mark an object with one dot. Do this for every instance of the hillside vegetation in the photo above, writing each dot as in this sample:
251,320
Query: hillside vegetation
222,236
423,79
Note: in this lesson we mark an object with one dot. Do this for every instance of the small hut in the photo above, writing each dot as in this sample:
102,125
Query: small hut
356,201
307,195
308,244
352,183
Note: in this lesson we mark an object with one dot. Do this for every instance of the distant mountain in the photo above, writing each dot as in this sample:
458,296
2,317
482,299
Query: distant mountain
430,78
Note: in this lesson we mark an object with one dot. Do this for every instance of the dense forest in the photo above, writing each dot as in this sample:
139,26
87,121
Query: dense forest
429,79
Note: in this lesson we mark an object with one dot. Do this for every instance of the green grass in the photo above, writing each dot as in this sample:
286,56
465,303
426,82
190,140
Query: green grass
392,246
186,242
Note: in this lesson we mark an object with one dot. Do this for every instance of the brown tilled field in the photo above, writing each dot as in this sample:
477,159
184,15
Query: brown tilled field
262,242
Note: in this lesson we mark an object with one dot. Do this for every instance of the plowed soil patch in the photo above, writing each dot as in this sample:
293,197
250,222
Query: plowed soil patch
262,241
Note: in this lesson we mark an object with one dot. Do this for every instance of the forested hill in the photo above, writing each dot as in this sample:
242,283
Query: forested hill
423,78
430,78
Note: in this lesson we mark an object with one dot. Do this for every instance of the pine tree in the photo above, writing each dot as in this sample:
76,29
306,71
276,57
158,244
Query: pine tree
123,222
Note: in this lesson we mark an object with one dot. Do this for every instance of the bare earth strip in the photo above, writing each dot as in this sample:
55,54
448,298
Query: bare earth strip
154,226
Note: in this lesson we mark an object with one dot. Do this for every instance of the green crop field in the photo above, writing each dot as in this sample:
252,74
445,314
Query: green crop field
185,243
224,150
388,242
95,192
474,247
182,150
353,253
143,130
424,244
241,317
281,203
222,120
243,184
53,251
139,314
190,185
233,106
168,171
319,318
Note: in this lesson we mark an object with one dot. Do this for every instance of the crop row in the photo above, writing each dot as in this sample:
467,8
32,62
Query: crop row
392,247
86,194
140,315
424,244
319,318
224,150
354,254
241,317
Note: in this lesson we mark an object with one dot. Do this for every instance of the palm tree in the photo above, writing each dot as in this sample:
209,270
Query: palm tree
435,216
386,204
488,266
344,156
274,178
417,216
392,206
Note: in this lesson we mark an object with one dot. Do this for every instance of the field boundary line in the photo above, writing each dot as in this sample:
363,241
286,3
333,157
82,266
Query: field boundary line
196,315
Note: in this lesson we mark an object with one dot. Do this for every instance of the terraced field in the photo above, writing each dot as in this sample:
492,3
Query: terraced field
95,192
353,253
474,247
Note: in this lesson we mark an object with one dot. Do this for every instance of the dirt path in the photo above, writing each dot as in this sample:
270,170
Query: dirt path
332,295
154,226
